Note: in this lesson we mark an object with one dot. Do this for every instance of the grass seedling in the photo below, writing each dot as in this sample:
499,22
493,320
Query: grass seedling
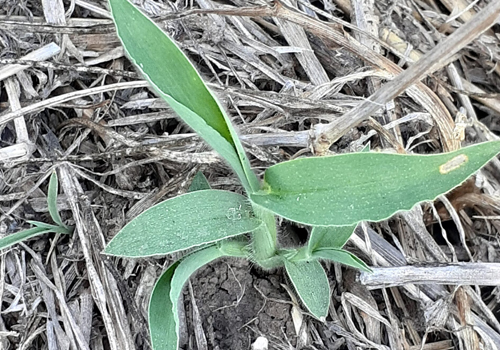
332,194
40,228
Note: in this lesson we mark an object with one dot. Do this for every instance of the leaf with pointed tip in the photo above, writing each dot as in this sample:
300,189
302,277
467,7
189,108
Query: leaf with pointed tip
50,227
22,236
185,221
348,188
311,284
52,199
163,314
175,79
341,256
329,237
199,183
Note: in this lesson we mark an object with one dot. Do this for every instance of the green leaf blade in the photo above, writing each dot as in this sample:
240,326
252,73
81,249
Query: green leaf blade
162,326
345,189
341,256
311,284
199,183
51,228
176,80
186,221
224,147
22,236
163,315
329,237
52,199
164,64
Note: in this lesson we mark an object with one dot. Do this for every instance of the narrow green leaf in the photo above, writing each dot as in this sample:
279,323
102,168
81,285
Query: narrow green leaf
22,236
199,183
311,284
162,326
173,76
345,189
367,147
52,199
183,222
341,256
329,236
51,228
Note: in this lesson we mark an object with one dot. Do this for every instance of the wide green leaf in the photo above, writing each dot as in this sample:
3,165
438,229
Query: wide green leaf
183,222
329,237
341,256
345,189
175,79
311,284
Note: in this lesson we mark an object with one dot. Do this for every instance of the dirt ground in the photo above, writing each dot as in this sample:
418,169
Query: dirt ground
71,100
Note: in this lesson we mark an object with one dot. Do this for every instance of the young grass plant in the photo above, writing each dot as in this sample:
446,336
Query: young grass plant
41,228
332,194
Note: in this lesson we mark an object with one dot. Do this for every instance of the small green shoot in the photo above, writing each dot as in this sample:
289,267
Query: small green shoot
331,194
40,227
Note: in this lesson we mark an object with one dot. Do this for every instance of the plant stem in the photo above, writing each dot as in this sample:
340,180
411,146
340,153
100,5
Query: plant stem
264,239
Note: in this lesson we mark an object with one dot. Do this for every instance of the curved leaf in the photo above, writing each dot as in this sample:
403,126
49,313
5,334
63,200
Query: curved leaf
163,316
345,189
329,237
224,147
341,256
185,221
52,199
21,236
162,328
311,284
173,76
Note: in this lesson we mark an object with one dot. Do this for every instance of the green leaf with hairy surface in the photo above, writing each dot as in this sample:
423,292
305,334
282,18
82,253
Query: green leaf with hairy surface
341,256
52,199
199,183
345,189
21,236
185,221
175,79
329,237
311,284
